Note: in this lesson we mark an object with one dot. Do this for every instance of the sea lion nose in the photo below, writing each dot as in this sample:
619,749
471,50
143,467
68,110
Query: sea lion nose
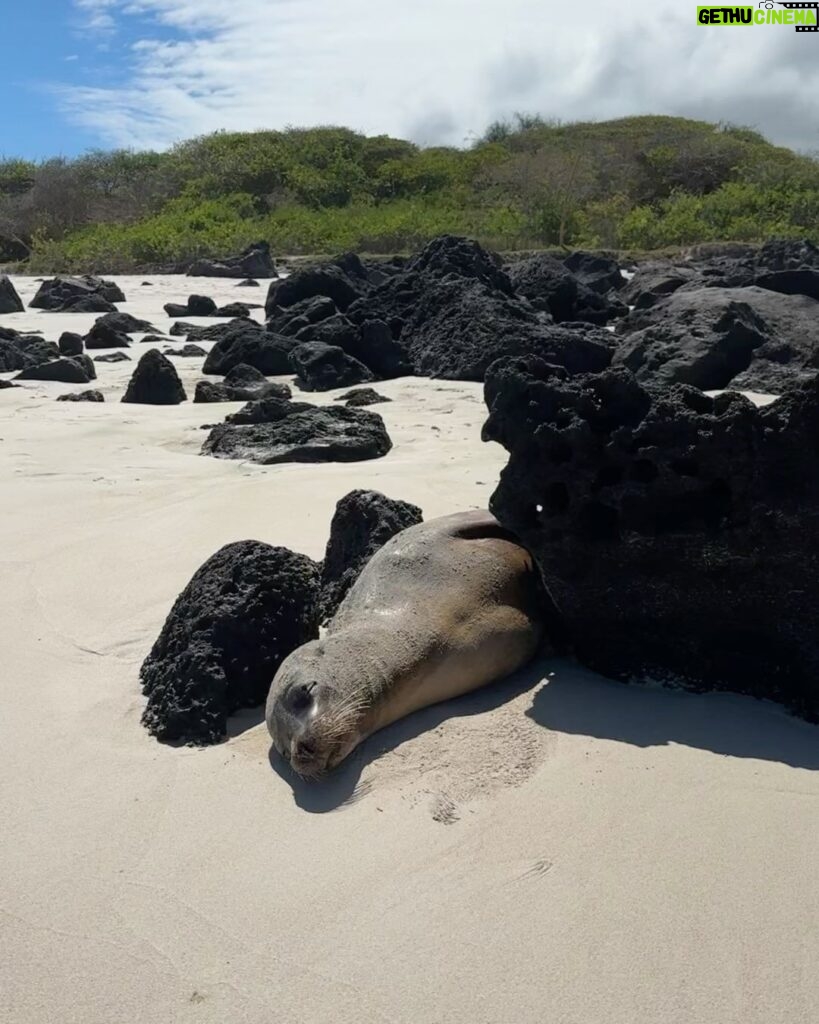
302,749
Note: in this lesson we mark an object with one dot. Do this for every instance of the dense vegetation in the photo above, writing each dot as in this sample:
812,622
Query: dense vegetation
636,183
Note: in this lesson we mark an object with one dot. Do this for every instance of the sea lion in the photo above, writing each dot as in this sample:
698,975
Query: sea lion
441,609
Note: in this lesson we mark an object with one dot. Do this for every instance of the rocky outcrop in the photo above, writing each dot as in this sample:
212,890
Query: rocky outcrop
452,310
242,613
363,522
300,315
240,385
552,288
70,344
10,301
323,367
677,533
254,261
748,338
67,371
249,343
104,335
302,434
113,357
360,397
82,396
325,280
18,351
123,323
370,343
87,363
599,273
187,352
197,305
155,382
77,294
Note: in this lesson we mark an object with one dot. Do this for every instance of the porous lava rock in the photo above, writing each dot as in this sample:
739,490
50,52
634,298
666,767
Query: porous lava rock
77,294
70,344
10,301
363,522
254,261
64,370
249,343
712,338
359,397
677,533
327,280
241,614
452,309
303,434
551,287
82,396
323,367
155,382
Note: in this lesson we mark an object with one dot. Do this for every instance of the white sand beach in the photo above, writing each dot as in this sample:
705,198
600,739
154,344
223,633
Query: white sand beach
558,848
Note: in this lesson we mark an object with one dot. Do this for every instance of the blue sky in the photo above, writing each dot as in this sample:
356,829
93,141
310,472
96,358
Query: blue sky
77,74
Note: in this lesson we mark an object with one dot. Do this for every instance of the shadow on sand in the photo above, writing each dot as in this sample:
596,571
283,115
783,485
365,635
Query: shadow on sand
580,702
574,700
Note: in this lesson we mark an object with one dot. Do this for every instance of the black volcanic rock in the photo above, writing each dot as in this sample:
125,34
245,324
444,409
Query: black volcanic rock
748,338
187,352
323,367
254,261
67,371
268,409
552,288
237,309
246,376
371,343
104,335
451,310
314,434
242,613
82,396
600,273
18,351
655,280
10,301
677,534
87,363
252,391
326,280
248,342
87,304
363,522
123,323
113,357
293,319
459,329
70,344
155,382
359,397
77,294
248,283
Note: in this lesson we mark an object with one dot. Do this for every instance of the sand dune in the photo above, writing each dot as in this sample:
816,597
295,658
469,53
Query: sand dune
557,848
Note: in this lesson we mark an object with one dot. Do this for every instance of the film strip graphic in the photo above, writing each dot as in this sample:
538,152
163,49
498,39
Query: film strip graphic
804,7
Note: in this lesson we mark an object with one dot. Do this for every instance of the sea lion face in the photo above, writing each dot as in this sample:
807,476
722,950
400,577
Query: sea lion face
312,725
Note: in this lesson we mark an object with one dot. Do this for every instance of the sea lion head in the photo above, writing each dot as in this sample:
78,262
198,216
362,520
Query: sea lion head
313,721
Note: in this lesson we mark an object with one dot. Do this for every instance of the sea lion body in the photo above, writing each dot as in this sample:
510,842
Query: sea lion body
443,608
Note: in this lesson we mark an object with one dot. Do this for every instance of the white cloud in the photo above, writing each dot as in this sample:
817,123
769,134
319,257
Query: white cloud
97,15
438,71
